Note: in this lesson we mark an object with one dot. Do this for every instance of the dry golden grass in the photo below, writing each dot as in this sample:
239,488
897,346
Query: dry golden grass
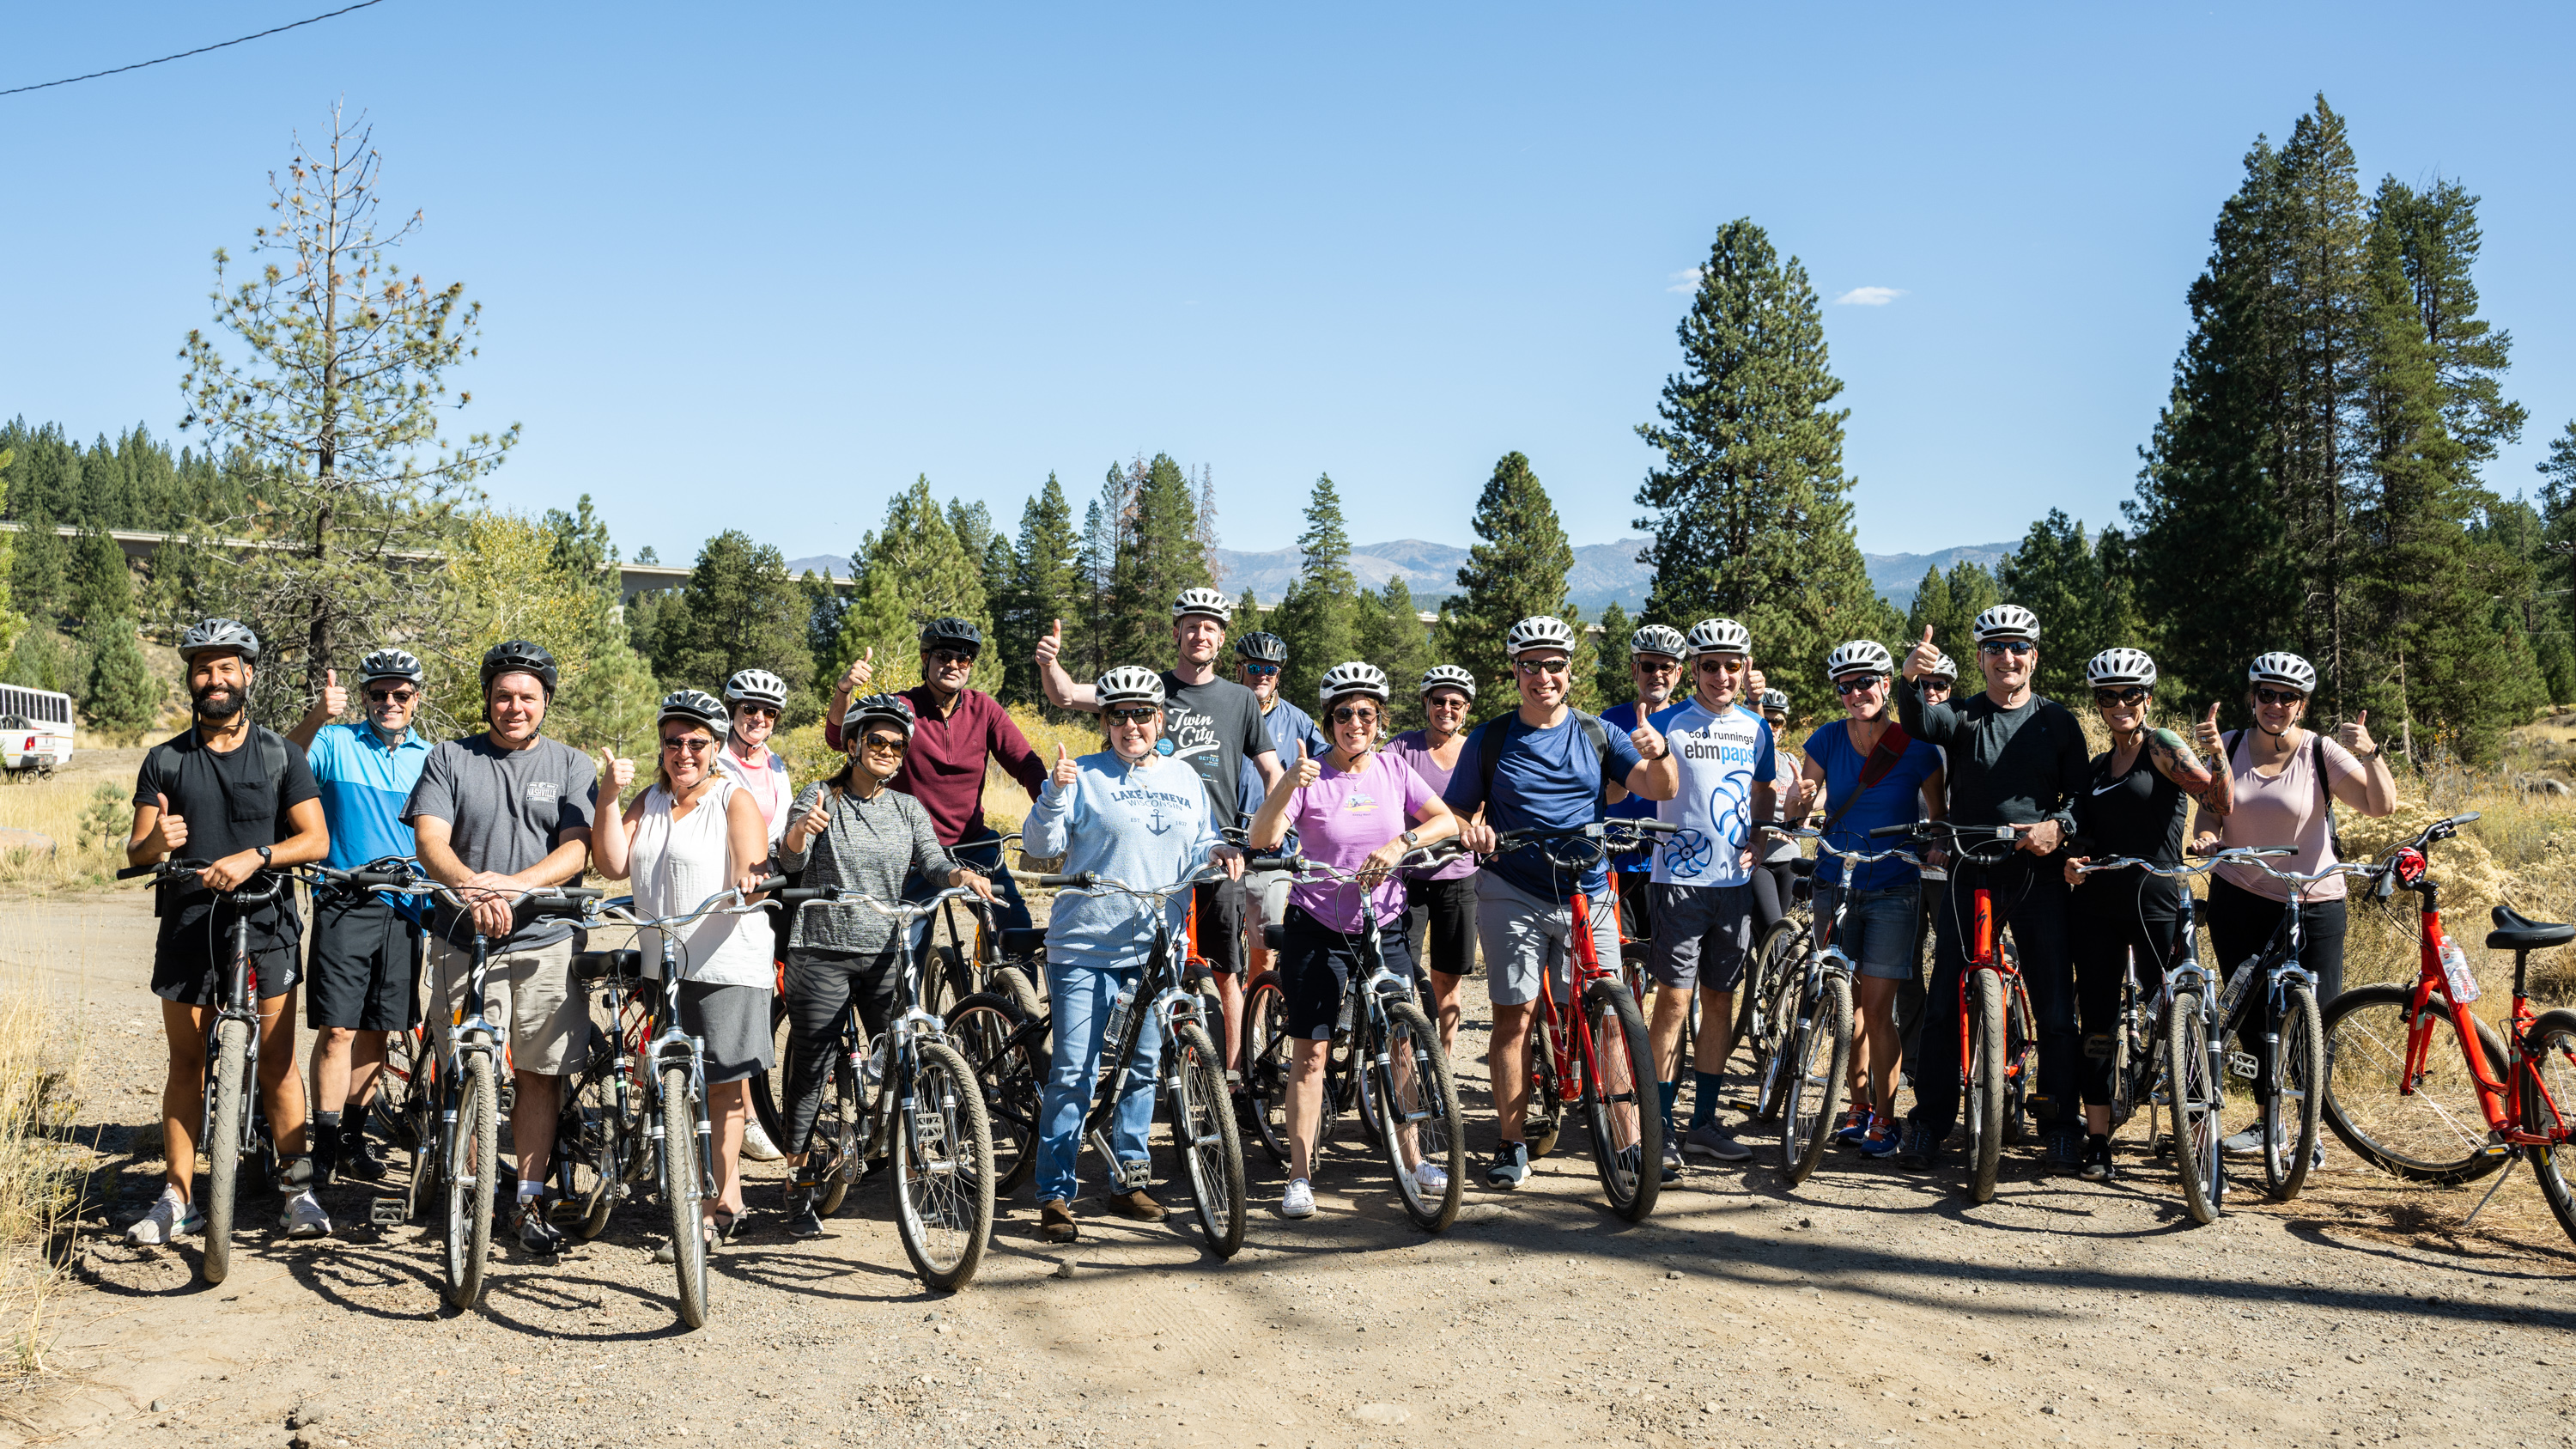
82,815
40,1172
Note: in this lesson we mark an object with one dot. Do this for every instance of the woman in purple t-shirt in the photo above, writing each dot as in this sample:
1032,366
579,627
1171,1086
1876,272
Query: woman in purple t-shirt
1355,810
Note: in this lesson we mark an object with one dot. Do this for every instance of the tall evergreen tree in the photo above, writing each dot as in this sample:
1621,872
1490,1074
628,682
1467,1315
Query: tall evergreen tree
1158,556
739,610
1046,583
1104,522
1750,510
1517,569
11,622
1390,635
915,570
1949,604
1611,681
2058,575
120,695
1318,615
102,586
36,574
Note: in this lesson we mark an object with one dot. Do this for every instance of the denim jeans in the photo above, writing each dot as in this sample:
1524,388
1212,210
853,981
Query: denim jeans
1082,997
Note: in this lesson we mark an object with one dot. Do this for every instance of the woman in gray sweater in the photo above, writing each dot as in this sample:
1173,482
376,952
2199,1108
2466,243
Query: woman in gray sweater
854,832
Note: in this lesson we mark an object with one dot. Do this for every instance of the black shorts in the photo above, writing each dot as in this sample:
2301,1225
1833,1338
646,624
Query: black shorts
1315,968
365,973
187,961
1220,925
1447,908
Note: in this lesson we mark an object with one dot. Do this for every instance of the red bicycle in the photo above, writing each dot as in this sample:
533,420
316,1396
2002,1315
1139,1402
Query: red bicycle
1599,1056
2419,1087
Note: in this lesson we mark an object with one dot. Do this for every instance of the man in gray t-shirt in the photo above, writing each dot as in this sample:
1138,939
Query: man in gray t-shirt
496,814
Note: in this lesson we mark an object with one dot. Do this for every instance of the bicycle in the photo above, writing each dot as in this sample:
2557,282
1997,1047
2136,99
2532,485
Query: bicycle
1385,1060
233,1124
2405,1104
1997,1034
941,1149
2170,1048
2290,1072
1003,1044
1813,1010
1608,1067
1004,960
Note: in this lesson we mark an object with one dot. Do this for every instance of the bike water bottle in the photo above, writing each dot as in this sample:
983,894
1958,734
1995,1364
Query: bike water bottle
2235,991
1119,1011
2455,971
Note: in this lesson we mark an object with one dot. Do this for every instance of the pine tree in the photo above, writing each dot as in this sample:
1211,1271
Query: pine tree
1750,512
740,610
120,695
1045,587
1390,635
915,569
102,585
11,622
1104,522
1612,683
1950,604
36,573
1517,570
2058,575
1318,614
1158,556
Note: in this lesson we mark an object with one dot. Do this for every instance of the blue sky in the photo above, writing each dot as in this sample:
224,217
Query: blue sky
757,268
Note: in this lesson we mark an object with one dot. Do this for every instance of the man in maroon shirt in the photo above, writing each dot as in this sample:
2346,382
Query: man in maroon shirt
959,729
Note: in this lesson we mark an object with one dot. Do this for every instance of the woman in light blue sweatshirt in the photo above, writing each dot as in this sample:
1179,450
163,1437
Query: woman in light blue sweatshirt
1138,816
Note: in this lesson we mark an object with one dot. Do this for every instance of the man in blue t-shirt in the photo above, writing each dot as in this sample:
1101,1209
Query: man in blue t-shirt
1882,910
1655,669
365,977
1552,766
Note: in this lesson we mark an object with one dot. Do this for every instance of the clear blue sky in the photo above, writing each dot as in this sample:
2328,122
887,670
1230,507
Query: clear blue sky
758,266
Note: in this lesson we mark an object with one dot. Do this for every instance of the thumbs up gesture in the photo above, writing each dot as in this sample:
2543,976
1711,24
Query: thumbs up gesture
1066,771
1304,772
1051,645
2354,735
169,832
335,700
1920,659
818,816
616,772
2204,733
862,669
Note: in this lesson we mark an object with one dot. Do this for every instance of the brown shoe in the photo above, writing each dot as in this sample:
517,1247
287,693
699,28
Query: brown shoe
1139,1205
1055,1221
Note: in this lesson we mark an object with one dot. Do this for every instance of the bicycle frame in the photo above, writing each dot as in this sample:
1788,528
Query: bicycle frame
2500,1100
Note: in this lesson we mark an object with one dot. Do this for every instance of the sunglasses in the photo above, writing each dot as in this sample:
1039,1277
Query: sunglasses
2279,697
392,696
885,744
1653,664
1445,701
1542,666
755,711
1719,665
1261,671
2131,695
2007,646
1136,716
1861,684
688,744
945,657
1363,714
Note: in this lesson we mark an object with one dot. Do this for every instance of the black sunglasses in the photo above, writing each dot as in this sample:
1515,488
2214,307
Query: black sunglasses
1138,715
2131,695
1860,685
946,657
2279,697
2008,646
1364,713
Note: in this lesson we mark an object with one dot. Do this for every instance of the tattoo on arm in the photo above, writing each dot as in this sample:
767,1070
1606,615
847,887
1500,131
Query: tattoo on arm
2195,775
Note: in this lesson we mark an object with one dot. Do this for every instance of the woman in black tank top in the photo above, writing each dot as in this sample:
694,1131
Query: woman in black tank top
2140,793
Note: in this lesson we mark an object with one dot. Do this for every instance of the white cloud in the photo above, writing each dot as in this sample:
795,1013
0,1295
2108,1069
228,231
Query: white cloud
1869,296
1685,280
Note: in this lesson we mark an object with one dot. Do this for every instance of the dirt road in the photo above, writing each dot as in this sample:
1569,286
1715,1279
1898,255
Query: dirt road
1869,1307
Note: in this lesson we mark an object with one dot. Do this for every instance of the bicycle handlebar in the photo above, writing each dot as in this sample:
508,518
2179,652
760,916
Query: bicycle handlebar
1854,856
2178,872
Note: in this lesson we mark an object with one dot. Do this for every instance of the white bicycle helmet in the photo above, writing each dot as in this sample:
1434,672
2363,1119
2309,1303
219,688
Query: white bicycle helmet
697,707
1356,677
1202,601
756,686
1859,656
1943,667
2283,668
219,634
1539,631
389,664
2122,665
894,709
1449,676
1774,702
1720,636
1130,684
2007,621
1658,639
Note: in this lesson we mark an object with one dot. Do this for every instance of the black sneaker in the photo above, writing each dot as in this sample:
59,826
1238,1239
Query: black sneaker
802,1220
1510,1167
536,1234
2097,1160
1922,1148
358,1156
2065,1154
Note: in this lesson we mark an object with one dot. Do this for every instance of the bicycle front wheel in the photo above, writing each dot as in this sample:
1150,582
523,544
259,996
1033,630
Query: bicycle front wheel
986,1032
1987,1075
1203,1134
2199,1102
1265,1064
1620,1104
681,1191
2549,1106
1543,1115
2125,1056
1819,1064
228,1103
1419,1102
472,1166
1778,1063
943,1170
2427,1128
1776,957
2290,1117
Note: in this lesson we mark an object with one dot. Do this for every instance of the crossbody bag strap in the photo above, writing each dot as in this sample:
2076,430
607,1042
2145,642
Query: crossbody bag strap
1891,748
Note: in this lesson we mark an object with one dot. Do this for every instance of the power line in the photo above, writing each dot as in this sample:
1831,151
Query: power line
183,55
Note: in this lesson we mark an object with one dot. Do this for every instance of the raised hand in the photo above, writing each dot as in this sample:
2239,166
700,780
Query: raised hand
818,817
2354,734
2204,734
1051,645
1920,659
1066,772
618,773
862,669
335,700
170,831
1306,771
1650,745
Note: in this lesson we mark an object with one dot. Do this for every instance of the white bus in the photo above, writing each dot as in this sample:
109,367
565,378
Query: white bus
35,730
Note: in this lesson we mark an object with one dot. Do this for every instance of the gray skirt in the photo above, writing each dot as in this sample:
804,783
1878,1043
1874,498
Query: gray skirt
733,1023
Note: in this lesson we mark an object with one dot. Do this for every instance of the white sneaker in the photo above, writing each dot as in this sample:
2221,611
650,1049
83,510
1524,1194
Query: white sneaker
1430,1176
170,1216
756,1144
1299,1200
304,1217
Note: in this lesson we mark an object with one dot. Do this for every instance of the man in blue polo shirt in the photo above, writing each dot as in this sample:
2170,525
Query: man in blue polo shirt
365,974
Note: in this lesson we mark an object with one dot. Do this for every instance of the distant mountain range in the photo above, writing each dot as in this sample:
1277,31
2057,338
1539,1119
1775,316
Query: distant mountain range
1897,575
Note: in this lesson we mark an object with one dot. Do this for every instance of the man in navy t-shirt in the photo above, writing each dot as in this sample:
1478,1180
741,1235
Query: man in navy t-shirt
1547,775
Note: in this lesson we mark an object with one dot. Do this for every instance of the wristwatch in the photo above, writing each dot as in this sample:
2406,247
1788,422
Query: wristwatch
267,857
1411,838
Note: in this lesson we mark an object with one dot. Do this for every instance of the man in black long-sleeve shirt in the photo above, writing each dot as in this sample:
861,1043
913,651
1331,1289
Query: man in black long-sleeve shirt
2015,759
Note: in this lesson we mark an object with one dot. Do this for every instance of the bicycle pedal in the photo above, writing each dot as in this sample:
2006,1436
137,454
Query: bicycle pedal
387,1212
2243,1066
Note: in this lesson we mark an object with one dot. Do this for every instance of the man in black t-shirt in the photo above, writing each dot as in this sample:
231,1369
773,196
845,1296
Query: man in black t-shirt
1214,724
238,796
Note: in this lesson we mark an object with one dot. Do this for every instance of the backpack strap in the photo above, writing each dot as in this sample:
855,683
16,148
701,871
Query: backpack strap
1597,730
1891,748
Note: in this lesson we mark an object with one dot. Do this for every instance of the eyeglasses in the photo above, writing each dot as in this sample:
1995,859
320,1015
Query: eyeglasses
1652,664
2131,695
2007,646
1542,666
1861,684
1136,716
756,711
2279,698
1363,714
688,744
885,744
1720,664
1445,701
945,657
392,696
1261,671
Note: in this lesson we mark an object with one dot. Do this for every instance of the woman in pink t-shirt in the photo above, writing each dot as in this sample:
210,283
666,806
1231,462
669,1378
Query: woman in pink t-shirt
1356,810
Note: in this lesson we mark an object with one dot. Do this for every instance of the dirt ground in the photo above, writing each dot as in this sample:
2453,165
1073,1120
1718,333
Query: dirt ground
1868,1307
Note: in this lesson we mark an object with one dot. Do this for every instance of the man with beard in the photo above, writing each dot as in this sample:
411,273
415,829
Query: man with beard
1259,657
236,794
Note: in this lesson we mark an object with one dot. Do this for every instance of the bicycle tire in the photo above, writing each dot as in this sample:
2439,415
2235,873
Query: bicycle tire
845,1107
1814,1102
680,1194
943,1170
2434,1133
1627,1146
1986,1064
224,1143
1776,956
587,1142
984,1030
769,1104
1264,1056
2198,1102
2295,1099
400,1105
1430,1101
1201,1119
1772,1068
1014,986
2549,1105
1542,1116
469,1174
2021,1061
946,979
2124,1052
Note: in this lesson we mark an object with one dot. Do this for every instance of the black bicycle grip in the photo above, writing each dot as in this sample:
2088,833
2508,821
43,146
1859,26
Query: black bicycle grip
798,895
1885,831
1274,862
1081,880
131,871
764,887
369,879
1655,827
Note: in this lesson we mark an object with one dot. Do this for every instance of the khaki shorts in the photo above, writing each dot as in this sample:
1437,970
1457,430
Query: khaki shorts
529,992
1525,938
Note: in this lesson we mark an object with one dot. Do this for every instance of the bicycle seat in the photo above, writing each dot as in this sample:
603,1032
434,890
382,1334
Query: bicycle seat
1274,936
2517,932
1802,867
1023,941
593,965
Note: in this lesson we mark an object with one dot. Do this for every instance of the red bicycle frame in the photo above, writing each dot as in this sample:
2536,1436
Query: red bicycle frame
1564,1054
2496,1099
1983,956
